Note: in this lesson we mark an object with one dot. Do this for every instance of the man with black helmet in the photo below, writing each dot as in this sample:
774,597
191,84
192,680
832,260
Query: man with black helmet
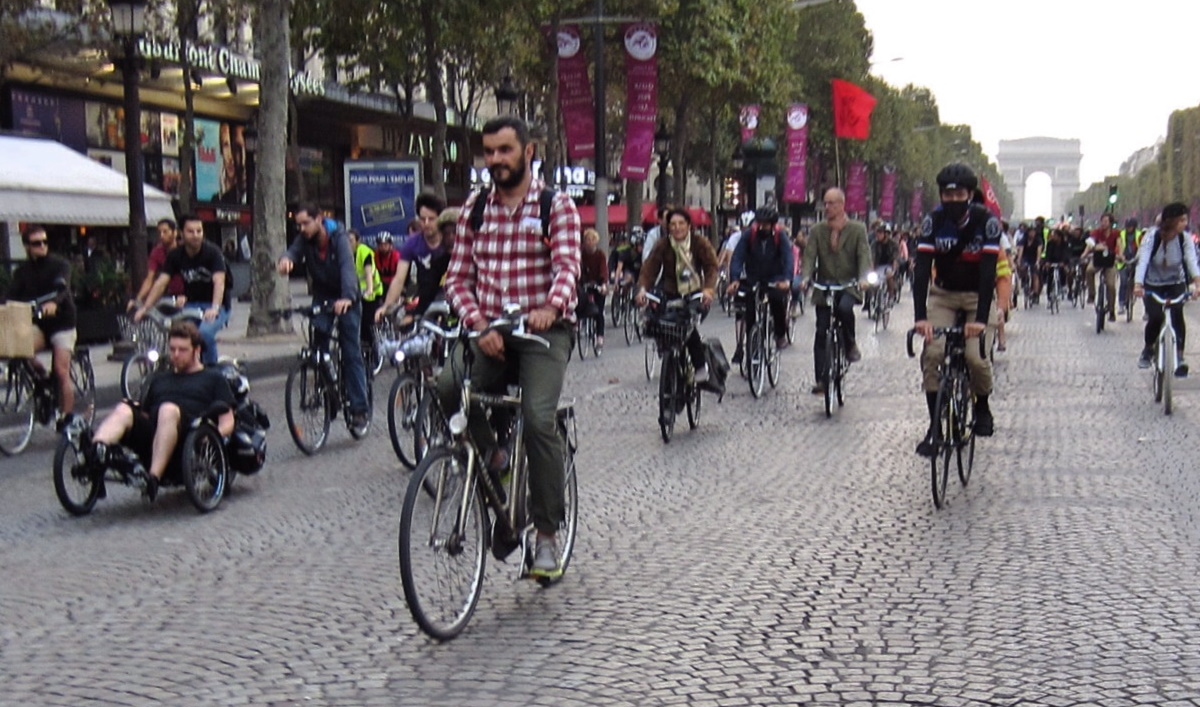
763,260
963,241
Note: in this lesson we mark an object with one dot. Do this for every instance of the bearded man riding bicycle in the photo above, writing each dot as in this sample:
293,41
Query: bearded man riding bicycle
762,260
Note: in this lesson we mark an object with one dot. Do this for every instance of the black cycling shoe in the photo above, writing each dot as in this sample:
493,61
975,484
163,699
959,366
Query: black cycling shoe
737,356
926,447
985,426
151,491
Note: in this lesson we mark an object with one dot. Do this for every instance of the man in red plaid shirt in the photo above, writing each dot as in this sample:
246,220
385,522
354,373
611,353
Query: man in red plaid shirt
509,260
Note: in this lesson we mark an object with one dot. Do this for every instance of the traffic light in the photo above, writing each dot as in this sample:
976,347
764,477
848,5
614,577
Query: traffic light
1112,194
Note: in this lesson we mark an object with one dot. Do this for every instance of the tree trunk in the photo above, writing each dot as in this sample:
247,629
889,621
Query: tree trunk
714,181
550,158
633,205
268,288
678,141
185,15
433,85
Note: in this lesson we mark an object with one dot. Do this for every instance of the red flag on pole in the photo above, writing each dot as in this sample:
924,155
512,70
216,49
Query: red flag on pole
989,197
852,108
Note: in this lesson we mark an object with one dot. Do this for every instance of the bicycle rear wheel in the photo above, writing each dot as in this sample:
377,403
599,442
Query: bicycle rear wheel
403,402
1101,305
306,403
431,429
668,388
617,307
693,406
567,528
16,409
943,440
442,545
629,324
651,356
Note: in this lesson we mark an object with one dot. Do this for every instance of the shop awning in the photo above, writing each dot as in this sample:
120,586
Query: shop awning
43,181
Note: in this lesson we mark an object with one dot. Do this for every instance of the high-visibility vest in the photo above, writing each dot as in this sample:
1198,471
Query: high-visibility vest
360,268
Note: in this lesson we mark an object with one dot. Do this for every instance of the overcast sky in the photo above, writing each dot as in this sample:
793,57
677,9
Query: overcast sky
1107,73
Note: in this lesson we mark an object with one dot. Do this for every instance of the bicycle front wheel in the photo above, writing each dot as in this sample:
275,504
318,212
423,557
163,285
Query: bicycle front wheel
964,430
403,401
442,545
83,380
651,355
306,403
16,410
668,388
943,440
135,374
773,362
756,355
693,407
1170,362
76,486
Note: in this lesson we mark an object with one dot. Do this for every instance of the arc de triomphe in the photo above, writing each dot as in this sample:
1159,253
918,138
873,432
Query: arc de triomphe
1059,159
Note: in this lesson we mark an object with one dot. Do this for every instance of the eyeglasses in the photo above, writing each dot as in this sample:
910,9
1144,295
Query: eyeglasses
36,244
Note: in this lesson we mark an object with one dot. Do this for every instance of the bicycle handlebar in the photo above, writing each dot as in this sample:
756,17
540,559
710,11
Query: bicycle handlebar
944,331
514,324
1172,302
832,286
311,310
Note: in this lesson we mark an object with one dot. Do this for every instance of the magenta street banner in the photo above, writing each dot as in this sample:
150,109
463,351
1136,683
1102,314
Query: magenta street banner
887,195
914,209
575,94
749,120
641,99
856,187
795,188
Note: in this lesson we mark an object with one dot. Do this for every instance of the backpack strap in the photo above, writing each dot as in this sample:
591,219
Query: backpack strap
1158,241
476,218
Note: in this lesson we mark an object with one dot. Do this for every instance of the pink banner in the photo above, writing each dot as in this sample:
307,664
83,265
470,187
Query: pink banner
914,209
795,189
856,188
749,121
575,95
641,99
887,195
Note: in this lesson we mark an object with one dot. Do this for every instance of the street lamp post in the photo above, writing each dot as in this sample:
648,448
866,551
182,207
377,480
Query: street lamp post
507,96
662,148
129,23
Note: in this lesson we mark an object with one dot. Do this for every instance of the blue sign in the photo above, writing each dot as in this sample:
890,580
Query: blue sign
381,196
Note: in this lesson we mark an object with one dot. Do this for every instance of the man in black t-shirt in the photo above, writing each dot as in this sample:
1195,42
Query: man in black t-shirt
171,401
202,267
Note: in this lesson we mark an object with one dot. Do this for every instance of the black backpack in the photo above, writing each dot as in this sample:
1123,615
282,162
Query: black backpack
545,203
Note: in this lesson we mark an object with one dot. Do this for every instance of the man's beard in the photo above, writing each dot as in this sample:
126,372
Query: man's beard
516,175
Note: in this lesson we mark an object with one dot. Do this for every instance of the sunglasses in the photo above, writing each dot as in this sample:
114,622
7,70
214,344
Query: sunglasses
36,244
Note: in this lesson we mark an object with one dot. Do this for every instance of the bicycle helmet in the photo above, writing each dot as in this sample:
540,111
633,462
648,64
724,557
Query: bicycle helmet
957,176
1131,223
448,216
767,214
383,237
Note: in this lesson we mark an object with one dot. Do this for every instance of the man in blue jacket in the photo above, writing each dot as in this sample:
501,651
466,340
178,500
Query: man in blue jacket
763,260
325,249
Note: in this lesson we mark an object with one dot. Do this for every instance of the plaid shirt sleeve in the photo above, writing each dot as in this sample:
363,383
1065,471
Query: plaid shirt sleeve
461,274
565,228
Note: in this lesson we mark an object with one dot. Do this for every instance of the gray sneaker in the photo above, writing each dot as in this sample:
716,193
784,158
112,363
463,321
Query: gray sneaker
545,558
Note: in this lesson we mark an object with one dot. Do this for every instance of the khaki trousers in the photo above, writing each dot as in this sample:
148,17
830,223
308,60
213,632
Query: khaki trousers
942,310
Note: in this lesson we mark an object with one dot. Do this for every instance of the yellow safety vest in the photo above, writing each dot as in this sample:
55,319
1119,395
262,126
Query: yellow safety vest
360,267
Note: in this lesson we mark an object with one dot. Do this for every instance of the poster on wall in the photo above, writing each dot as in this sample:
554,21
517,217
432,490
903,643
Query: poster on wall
208,160
170,175
105,125
114,159
151,132
380,195
56,117
169,123
221,163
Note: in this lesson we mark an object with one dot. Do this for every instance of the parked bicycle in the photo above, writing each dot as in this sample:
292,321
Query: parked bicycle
670,324
833,379
151,337
30,394
1165,361
413,413
953,433
452,501
316,387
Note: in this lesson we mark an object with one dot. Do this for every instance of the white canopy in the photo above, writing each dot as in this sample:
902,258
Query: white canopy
43,181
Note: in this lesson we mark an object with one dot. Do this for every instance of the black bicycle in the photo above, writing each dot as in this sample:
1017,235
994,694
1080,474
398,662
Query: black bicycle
452,501
29,395
833,379
1054,286
670,324
316,387
1102,303
953,433
761,354
585,324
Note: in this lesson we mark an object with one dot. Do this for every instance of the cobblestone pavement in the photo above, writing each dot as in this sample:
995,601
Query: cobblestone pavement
770,557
